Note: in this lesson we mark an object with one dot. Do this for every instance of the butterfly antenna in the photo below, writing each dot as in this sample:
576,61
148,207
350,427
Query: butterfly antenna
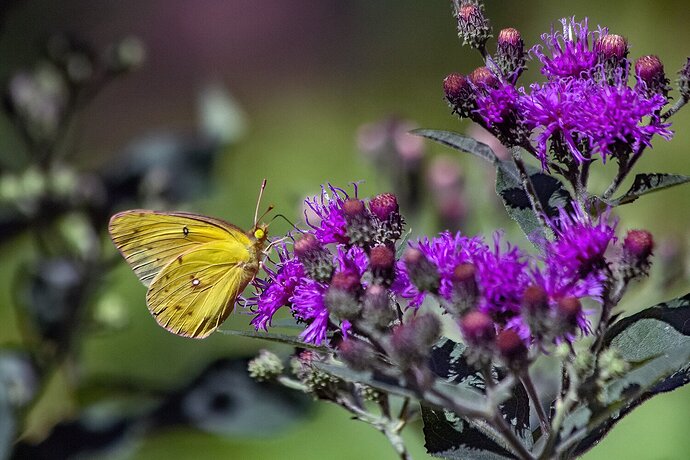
258,203
288,221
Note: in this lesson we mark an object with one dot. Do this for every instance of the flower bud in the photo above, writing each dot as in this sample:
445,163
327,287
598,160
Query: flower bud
612,47
465,289
411,342
360,230
422,271
377,310
483,78
459,94
650,71
511,348
356,354
535,300
342,296
382,264
267,366
385,208
478,329
684,80
568,312
316,259
637,252
510,53
473,26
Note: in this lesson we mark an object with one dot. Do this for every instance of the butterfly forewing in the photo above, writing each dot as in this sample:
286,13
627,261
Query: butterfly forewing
150,240
196,292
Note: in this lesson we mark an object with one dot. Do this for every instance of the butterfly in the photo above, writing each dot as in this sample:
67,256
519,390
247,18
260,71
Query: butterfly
194,266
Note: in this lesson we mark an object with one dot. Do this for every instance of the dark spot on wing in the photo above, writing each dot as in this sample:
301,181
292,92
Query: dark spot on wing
185,230
179,258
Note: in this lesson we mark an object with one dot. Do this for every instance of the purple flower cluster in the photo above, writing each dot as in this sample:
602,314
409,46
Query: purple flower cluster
343,271
585,109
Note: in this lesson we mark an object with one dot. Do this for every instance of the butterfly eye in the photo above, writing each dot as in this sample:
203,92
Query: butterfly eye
258,233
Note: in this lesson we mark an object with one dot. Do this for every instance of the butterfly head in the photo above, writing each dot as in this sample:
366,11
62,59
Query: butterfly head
260,232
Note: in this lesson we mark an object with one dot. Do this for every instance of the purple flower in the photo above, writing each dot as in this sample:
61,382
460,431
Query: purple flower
276,290
495,105
445,252
606,118
571,55
328,208
578,251
503,278
308,305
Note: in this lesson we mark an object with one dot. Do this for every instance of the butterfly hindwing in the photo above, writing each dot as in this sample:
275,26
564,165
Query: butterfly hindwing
196,291
151,240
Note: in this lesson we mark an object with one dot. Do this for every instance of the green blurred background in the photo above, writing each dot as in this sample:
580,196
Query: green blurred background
307,74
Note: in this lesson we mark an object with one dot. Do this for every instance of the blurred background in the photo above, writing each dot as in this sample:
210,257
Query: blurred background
189,105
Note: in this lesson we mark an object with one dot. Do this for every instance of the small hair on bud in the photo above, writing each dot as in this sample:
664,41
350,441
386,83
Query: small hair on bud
611,46
423,274
315,258
382,264
377,309
639,243
411,342
650,71
510,53
346,281
384,206
473,26
483,77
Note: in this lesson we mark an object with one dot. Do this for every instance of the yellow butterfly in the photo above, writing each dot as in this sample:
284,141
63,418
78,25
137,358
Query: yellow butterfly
194,266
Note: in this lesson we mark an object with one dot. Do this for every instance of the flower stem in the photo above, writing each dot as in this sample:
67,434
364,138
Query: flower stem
536,400
622,174
676,107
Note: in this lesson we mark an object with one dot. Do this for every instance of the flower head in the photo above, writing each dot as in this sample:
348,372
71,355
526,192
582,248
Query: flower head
570,52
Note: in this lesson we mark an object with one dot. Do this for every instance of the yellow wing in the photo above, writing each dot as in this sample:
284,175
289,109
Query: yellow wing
196,292
150,240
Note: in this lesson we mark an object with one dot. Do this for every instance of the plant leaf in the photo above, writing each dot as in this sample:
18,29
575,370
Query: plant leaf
449,436
278,338
551,192
648,183
659,338
459,142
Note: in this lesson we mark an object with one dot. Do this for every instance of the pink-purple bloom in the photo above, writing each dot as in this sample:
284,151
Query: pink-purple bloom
570,52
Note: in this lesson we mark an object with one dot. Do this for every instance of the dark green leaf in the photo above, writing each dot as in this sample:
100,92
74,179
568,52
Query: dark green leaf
648,183
659,339
7,423
459,142
551,192
449,436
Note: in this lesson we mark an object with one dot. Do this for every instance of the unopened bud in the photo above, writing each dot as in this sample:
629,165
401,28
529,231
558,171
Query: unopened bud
473,26
512,349
459,94
382,264
356,354
478,329
535,300
611,46
423,274
360,230
568,312
266,366
411,342
650,71
482,78
316,259
637,252
385,208
341,298
510,53
377,310
465,289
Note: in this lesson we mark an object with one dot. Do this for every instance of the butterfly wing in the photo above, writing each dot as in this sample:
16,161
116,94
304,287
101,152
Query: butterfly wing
150,240
196,292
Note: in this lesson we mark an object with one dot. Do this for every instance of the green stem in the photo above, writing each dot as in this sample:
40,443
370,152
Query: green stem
536,400
528,186
676,107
